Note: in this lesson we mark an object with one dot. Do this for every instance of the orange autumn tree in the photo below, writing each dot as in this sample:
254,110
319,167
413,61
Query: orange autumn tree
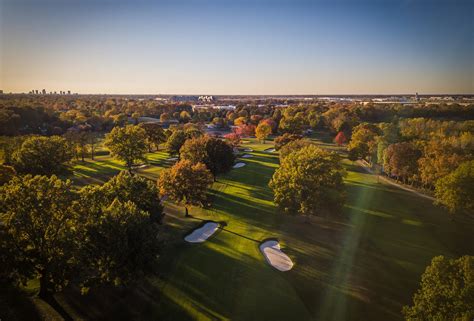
185,183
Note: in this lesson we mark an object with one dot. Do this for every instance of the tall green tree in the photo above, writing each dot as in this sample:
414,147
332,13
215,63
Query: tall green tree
139,190
42,155
291,124
363,143
186,183
175,141
293,146
127,144
118,244
38,223
446,291
79,138
455,191
216,154
155,135
262,131
309,181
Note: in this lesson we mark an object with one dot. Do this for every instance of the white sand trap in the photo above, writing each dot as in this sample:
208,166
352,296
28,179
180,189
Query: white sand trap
275,257
247,156
239,165
270,150
140,166
201,234
248,150
172,159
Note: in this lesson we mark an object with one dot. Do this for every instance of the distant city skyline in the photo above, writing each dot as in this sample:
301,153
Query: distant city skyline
238,47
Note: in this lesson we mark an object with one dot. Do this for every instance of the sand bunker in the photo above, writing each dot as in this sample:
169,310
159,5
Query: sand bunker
172,159
248,150
247,156
140,166
274,256
202,233
270,150
239,165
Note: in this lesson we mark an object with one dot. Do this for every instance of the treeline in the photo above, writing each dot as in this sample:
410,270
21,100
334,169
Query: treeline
54,115
424,153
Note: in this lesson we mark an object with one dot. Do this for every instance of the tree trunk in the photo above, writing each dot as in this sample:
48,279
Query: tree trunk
45,291
92,152
186,211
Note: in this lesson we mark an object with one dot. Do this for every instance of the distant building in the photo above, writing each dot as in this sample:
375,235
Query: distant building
206,99
416,97
184,98
228,107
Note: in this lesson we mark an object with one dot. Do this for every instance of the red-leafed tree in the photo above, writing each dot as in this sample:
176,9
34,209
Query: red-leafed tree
340,138
245,130
233,139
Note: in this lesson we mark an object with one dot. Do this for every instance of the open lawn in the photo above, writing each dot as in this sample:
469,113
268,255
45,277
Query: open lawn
362,264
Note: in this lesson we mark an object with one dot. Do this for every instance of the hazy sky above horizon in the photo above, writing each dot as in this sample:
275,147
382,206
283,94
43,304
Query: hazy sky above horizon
237,47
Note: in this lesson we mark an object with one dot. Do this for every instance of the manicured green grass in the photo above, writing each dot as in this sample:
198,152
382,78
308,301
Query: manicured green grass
103,167
362,264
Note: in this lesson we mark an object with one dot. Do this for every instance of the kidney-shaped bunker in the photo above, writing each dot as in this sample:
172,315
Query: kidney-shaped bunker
238,165
274,256
202,233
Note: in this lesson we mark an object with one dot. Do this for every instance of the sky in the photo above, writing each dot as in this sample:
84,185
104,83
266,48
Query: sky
237,46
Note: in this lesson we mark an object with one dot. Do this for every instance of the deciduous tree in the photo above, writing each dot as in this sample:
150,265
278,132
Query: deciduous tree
401,161
455,191
363,143
127,144
186,183
446,291
38,221
118,244
284,139
340,139
233,139
216,154
139,190
262,131
175,141
293,146
155,135
309,181
42,155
